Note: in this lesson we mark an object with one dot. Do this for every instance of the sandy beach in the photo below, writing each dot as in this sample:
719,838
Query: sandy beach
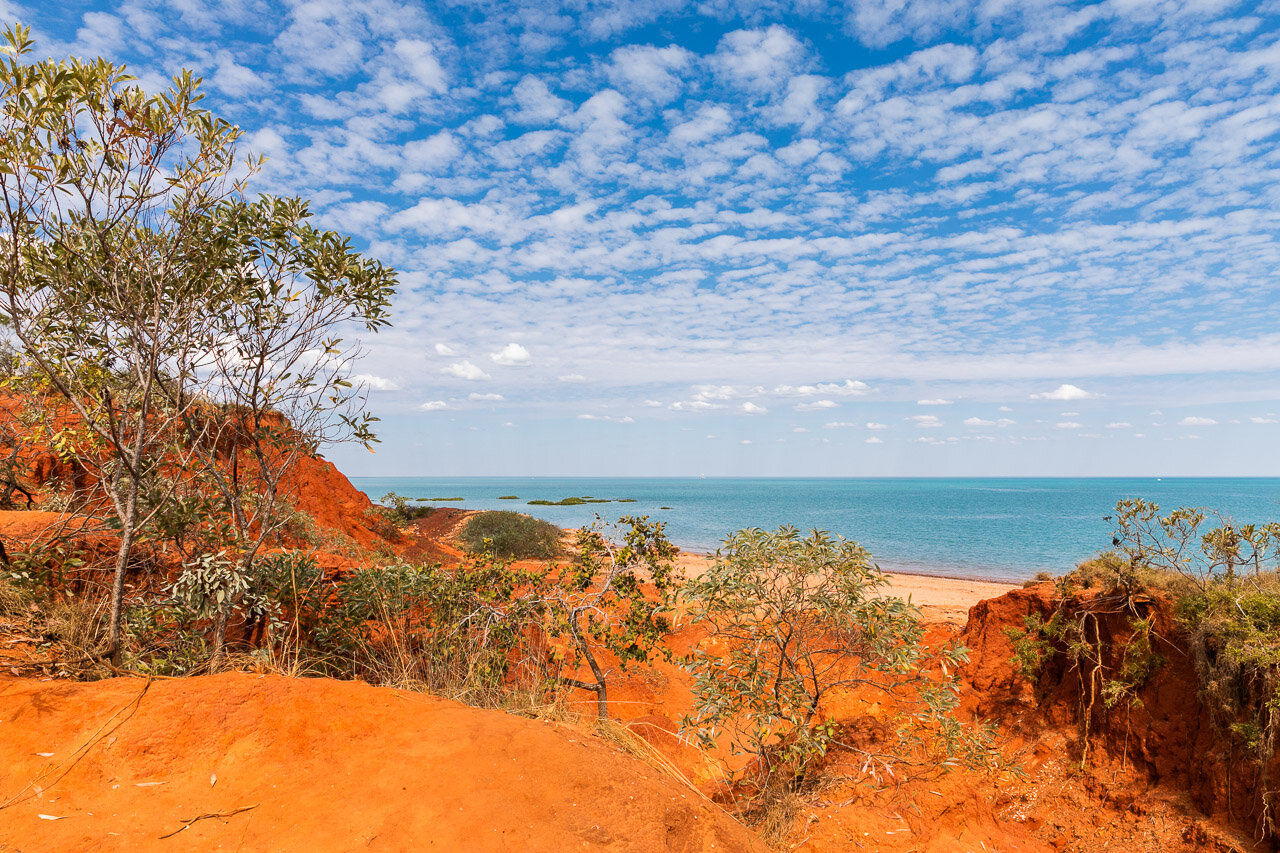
940,599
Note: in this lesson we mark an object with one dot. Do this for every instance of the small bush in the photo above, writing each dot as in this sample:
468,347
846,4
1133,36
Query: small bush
512,535
793,620
470,633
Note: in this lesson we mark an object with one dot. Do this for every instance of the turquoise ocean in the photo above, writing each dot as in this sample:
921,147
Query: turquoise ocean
1002,529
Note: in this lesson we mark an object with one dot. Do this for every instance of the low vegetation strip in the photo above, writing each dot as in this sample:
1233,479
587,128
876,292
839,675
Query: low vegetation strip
576,501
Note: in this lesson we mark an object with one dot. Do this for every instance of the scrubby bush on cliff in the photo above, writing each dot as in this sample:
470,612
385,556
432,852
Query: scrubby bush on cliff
512,535
469,632
790,619
1223,581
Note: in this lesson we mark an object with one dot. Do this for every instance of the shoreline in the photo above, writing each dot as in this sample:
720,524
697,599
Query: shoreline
913,571
941,599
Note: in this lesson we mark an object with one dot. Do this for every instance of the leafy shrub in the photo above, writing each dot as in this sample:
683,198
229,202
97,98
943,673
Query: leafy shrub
793,619
469,633
616,595
512,535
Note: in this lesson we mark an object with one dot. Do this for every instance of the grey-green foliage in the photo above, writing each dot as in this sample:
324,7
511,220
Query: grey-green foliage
790,619
107,255
210,584
1198,544
470,632
1225,579
172,314
512,535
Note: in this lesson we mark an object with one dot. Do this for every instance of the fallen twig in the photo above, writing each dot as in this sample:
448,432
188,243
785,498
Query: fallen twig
186,824
80,752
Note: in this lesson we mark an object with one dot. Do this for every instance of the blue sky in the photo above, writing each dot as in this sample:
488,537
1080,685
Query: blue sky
899,237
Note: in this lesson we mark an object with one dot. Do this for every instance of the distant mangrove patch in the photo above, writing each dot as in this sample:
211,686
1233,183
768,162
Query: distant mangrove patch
586,499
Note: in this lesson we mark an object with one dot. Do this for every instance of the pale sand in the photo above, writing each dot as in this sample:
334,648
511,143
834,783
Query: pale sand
939,599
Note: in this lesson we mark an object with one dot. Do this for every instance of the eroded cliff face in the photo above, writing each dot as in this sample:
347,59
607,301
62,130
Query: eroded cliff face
1158,743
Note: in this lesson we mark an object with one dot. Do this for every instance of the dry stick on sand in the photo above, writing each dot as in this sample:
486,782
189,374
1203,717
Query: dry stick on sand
186,824
80,752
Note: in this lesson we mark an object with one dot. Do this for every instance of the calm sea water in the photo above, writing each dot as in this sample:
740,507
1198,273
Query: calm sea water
1007,529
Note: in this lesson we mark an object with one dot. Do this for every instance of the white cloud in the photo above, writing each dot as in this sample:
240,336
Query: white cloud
1258,420
433,406
1119,425
485,398
577,377
625,419
432,153
655,74
377,383
815,406
1193,420
875,439
799,429
874,425
758,59
752,409
838,425
848,388
746,441
600,182
1068,425
925,421
1065,392
465,370
511,355
935,402
535,102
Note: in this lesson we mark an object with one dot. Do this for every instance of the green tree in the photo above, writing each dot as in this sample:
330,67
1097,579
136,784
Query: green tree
616,595
1182,542
108,259
196,335
790,619
275,379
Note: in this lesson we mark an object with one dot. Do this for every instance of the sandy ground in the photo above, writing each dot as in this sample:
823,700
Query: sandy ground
940,599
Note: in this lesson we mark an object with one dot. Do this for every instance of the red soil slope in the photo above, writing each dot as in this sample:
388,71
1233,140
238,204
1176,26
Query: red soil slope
324,765
316,487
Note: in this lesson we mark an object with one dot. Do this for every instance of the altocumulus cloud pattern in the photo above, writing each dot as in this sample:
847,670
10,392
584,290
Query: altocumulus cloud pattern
997,232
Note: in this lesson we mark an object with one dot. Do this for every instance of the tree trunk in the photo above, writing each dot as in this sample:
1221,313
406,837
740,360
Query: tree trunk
219,637
601,691
114,644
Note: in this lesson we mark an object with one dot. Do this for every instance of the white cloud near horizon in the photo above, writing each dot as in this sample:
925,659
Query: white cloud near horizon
1064,392
511,355
465,370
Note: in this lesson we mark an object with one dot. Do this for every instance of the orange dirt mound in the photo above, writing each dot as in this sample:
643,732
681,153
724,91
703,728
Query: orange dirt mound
319,489
320,765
